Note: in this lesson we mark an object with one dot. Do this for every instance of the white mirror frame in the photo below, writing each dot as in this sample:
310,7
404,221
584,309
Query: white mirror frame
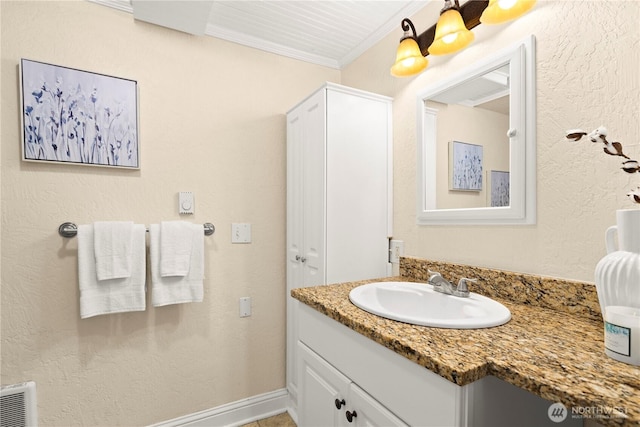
522,139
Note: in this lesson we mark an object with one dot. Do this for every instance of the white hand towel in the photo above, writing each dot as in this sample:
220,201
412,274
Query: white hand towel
176,242
113,242
114,295
177,289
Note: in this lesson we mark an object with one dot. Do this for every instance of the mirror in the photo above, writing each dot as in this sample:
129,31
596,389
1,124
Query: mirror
476,143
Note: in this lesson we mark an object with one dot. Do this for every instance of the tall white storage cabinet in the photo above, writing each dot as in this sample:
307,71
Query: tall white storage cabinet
339,201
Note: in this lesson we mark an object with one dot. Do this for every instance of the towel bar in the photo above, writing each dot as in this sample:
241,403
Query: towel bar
70,229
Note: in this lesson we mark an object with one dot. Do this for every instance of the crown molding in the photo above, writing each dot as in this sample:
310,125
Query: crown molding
278,49
123,5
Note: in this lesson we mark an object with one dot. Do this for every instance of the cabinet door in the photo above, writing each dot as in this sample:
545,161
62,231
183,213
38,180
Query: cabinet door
322,390
358,186
313,193
295,138
295,141
366,411
306,193
305,214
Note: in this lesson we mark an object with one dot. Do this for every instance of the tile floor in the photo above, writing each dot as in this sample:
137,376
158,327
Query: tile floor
281,420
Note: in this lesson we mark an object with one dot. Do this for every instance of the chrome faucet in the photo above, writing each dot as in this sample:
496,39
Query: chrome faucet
440,284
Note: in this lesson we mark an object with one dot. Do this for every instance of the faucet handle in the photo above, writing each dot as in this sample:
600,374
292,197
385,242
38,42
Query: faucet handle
433,274
462,284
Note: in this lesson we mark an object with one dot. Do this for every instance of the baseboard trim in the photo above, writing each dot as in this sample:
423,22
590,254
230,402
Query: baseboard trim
236,413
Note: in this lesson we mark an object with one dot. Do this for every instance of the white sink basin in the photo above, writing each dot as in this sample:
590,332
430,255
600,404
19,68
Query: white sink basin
419,304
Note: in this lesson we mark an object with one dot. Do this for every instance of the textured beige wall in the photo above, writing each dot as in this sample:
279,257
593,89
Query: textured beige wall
588,62
210,126
212,121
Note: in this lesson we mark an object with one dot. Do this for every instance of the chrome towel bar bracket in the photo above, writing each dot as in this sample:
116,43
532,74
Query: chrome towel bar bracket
69,229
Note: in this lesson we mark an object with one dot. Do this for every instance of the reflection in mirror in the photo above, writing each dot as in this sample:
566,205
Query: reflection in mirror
476,143
472,168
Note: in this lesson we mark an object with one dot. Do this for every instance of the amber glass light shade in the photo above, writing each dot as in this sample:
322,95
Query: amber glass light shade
451,34
500,11
409,59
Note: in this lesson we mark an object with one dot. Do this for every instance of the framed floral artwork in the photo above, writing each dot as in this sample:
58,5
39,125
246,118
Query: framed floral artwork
71,116
465,166
499,184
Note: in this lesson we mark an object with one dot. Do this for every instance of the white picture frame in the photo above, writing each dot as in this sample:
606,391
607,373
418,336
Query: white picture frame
70,116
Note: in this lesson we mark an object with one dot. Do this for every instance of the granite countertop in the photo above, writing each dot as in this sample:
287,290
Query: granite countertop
556,355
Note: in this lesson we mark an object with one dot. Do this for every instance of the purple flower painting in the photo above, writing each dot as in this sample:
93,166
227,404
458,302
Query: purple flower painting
75,116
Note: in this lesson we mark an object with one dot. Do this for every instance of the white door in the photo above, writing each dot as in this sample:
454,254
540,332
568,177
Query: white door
363,410
305,214
323,390
313,193
358,186
295,140
295,136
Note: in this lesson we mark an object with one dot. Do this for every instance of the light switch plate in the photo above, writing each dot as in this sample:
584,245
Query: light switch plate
185,203
241,233
245,306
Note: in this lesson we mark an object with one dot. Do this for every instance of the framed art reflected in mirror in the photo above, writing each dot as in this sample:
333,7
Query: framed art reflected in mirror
465,166
498,182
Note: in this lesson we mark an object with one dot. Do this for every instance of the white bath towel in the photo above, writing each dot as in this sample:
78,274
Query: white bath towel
177,289
176,242
114,295
113,242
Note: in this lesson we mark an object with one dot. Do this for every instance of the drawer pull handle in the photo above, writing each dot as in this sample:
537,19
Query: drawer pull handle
339,403
351,416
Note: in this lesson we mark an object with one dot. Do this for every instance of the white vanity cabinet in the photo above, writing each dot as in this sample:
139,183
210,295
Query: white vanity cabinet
382,387
386,389
339,181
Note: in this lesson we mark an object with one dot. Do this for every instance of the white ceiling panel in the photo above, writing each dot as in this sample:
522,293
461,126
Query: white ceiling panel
189,16
325,32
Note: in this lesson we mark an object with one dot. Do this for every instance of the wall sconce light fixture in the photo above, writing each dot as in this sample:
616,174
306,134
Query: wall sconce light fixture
500,11
452,32
409,58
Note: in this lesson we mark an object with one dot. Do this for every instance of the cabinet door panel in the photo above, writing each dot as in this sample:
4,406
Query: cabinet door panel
369,412
313,197
320,386
295,140
357,187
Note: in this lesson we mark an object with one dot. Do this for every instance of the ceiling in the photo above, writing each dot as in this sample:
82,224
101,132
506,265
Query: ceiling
332,33
489,91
